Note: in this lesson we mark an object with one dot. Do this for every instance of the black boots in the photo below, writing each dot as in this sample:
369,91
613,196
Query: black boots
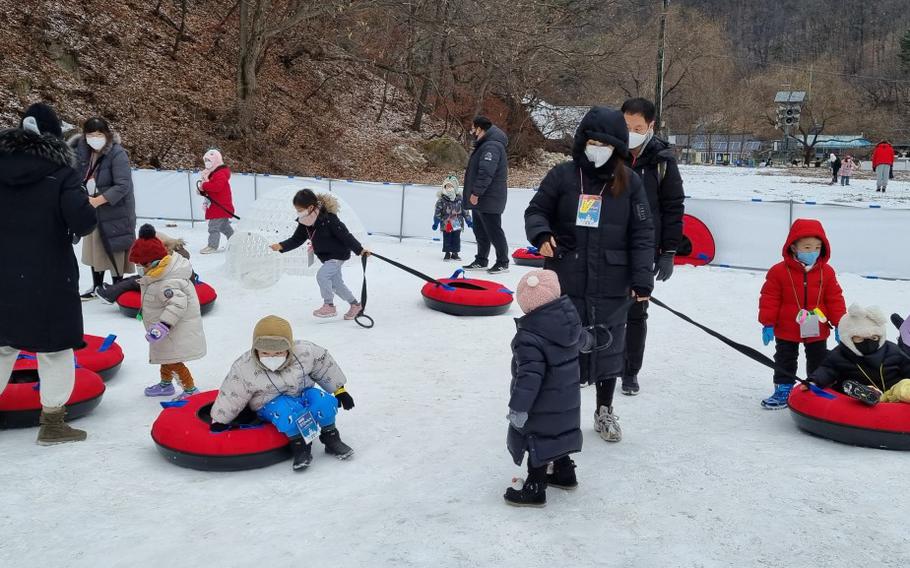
333,444
532,494
303,453
630,385
563,476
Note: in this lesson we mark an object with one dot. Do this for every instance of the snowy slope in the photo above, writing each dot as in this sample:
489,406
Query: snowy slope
716,182
704,476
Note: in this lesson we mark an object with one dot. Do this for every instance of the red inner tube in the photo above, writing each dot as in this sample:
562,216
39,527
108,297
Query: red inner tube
22,396
89,356
843,410
703,248
133,299
525,254
468,292
181,429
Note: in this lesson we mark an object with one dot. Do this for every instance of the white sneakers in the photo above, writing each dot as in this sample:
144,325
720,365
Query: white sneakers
607,424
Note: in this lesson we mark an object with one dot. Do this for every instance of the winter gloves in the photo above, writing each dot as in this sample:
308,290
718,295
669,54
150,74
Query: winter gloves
157,332
517,419
663,268
898,393
767,334
435,224
344,399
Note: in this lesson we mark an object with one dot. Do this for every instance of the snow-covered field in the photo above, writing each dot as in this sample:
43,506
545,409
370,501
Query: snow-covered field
718,182
703,476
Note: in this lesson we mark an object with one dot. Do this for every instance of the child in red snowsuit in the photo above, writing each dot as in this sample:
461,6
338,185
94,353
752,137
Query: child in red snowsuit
219,208
800,303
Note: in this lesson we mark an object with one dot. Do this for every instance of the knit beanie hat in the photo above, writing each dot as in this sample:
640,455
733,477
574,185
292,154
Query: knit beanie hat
537,288
212,159
44,117
862,322
273,333
147,248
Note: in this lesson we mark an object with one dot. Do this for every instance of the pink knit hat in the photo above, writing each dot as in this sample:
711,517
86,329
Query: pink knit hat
537,288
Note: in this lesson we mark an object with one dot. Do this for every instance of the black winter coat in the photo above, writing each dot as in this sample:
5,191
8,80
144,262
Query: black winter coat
487,174
113,180
545,376
331,238
665,194
607,261
886,367
42,206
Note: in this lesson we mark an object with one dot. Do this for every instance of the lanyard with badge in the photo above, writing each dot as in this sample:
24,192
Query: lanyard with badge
809,321
589,206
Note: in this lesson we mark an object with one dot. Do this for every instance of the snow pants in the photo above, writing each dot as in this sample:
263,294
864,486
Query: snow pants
331,282
284,410
451,241
57,373
882,173
218,227
786,356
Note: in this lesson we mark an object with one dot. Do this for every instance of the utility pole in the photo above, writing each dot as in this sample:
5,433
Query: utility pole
661,44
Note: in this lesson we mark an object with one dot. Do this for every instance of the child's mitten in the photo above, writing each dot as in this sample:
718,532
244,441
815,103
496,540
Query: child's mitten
767,334
345,400
157,332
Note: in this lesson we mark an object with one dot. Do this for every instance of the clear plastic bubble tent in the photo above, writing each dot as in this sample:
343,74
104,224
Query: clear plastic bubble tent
272,219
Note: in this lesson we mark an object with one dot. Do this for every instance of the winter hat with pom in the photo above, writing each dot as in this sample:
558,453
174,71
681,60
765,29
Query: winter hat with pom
537,288
44,118
147,248
862,322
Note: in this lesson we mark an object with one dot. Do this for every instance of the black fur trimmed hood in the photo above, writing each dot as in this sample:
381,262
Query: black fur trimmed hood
26,157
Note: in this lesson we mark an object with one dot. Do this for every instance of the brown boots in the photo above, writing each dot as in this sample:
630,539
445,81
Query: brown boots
54,430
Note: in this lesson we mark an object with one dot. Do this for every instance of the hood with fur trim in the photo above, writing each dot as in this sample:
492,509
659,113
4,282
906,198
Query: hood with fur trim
26,157
77,142
328,203
862,322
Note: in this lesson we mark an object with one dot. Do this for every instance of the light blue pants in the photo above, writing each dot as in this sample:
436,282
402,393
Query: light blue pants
284,410
882,173
331,283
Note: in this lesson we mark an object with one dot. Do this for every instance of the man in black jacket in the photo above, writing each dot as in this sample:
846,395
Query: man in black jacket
485,183
654,162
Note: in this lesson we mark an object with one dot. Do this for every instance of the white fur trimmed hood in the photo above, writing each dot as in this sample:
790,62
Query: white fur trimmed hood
863,322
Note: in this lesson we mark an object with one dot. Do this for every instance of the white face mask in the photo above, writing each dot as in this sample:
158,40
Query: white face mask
273,363
637,140
599,155
208,163
96,142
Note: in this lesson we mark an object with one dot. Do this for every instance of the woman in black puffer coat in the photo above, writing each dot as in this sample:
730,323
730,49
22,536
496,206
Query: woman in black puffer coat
602,262
42,208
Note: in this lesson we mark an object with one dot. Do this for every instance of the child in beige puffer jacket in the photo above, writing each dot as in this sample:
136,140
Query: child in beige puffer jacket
170,313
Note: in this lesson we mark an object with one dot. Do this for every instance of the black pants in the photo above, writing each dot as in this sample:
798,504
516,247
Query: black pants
98,278
636,334
540,473
488,230
786,356
451,242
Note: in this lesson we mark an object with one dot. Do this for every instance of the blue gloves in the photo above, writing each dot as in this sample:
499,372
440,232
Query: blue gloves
470,223
767,334
435,224
836,335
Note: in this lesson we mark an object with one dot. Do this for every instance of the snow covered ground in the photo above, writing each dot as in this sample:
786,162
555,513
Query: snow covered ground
704,476
718,182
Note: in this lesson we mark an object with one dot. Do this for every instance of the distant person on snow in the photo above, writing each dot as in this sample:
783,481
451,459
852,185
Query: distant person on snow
170,313
800,301
835,163
655,163
486,192
450,217
545,402
215,186
332,242
846,170
277,378
866,365
882,164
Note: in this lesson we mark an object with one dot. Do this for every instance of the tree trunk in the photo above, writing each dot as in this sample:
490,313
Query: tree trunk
421,105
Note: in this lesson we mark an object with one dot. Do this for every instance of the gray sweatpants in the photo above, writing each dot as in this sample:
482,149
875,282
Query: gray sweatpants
57,372
217,227
331,283
882,173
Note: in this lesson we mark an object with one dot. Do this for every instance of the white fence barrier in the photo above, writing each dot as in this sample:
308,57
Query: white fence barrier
867,240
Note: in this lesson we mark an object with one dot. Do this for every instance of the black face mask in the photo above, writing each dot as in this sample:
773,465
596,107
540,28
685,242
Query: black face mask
867,346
